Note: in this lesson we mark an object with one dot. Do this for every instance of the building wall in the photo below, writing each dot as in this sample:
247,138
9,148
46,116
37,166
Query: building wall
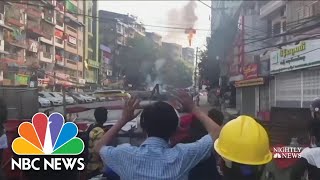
91,50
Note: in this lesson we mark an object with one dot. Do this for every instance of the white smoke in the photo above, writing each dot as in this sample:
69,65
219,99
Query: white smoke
158,79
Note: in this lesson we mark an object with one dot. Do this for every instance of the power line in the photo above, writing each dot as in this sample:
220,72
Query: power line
112,19
282,44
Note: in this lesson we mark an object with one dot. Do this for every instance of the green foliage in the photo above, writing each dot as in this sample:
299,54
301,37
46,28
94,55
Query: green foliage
137,60
177,74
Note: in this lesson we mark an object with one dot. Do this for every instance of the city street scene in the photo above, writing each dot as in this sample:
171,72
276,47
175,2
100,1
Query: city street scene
159,90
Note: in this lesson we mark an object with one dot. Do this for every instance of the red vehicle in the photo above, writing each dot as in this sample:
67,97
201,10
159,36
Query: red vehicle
130,133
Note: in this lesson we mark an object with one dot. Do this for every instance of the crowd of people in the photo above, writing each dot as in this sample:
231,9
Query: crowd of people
208,150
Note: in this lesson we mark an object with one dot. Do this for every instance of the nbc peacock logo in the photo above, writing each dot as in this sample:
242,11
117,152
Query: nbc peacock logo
47,136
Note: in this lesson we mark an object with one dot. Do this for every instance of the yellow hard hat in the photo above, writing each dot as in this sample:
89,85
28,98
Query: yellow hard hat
245,141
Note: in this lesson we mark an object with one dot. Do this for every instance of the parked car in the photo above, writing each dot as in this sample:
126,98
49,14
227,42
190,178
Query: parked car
90,97
53,100
77,97
86,98
43,102
112,95
69,99
98,98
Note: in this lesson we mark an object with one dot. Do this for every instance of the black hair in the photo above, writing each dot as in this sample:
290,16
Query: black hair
159,120
197,130
3,114
101,115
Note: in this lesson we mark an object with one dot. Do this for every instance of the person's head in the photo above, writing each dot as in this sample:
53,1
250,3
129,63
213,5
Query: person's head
197,130
244,141
101,115
159,120
315,109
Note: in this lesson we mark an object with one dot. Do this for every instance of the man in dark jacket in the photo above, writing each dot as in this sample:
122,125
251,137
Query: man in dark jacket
310,157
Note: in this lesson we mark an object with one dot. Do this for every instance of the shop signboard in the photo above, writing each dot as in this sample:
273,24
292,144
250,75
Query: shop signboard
72,40
294,57
93,63
250,71
21,79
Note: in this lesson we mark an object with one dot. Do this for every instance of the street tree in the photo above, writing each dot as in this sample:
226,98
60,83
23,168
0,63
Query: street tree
176,74
137,59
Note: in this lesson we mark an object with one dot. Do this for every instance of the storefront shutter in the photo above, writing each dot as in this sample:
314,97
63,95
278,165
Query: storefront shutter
311,86
288,89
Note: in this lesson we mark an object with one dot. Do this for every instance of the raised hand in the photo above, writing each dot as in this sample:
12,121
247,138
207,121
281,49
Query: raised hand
186,100
128,110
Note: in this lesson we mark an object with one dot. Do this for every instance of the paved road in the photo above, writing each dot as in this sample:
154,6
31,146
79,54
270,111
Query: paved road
114,114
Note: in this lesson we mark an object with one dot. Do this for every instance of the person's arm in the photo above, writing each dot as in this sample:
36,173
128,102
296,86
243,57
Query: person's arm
127,115
212,128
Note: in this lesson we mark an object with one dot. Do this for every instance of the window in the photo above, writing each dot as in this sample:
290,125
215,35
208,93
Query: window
90,25
315,8
276,28
284,26
80,58
90,42
90,55
299,14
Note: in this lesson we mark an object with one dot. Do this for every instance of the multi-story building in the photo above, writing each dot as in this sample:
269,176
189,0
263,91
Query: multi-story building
172,51
188,55
43,38
296,75
29,40
69,43
91,43
114,33
155,38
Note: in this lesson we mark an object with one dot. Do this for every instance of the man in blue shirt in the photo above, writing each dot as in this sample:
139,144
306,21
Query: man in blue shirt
155,159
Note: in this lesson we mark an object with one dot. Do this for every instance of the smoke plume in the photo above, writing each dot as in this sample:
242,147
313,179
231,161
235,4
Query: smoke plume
158,79
184,17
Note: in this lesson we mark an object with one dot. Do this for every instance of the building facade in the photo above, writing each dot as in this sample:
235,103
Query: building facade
91,48
115,31
42,40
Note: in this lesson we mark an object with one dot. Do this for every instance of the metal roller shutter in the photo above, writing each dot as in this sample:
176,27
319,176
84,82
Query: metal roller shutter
288,89
311,86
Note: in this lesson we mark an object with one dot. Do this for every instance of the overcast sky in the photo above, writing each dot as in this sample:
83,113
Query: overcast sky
156,13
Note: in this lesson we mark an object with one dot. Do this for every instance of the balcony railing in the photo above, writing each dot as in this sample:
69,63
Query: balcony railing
47,55
35,27
34,12
270,7
14,56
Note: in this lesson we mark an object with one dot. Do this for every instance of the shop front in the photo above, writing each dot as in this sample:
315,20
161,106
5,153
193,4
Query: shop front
296,74
248,90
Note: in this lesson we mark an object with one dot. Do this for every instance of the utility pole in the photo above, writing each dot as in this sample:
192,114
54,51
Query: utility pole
195,70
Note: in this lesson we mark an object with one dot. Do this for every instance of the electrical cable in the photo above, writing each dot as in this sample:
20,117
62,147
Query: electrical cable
112,19
282,44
